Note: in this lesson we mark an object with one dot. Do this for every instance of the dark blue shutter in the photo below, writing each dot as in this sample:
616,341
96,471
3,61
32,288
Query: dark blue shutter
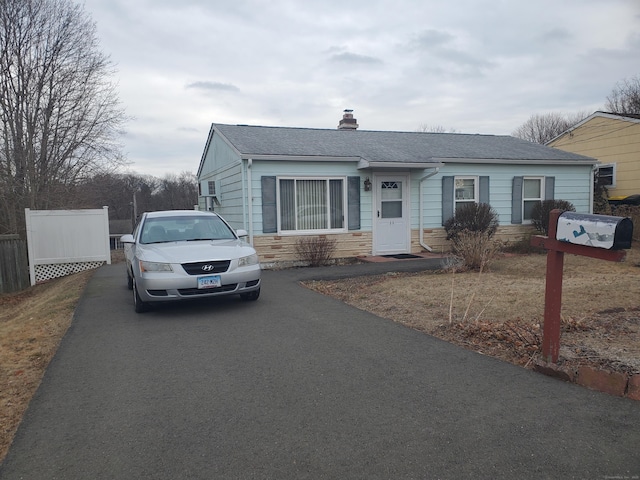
269,205
549,187
447,198
484,190
353,202
516,200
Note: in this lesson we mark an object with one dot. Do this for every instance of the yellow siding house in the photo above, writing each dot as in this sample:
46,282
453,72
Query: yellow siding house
614,140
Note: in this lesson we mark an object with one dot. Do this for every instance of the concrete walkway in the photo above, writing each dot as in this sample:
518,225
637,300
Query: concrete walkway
296,386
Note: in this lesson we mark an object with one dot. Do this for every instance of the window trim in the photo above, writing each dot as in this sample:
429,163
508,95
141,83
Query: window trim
614,169
326,179
476,190
542,197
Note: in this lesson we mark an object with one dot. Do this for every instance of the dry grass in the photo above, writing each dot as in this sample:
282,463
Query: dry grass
600,305
32,322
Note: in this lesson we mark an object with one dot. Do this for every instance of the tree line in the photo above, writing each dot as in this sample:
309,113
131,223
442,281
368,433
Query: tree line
129,195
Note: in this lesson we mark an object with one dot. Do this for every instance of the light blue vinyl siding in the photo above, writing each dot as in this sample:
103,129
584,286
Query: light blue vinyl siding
308,169
223,165
572,183
219,156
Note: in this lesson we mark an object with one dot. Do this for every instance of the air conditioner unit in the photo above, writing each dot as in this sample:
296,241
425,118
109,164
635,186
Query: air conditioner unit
211,189
208,188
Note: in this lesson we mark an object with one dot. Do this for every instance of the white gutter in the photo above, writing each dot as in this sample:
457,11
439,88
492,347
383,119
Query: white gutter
592,188
250,200
421,224
503,161
364,164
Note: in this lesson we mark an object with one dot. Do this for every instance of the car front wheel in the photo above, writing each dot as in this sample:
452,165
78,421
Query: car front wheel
138,304
250,296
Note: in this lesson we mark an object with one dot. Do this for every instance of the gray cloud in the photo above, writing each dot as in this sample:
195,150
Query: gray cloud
212,86
556,35
355,59
440,56
432,39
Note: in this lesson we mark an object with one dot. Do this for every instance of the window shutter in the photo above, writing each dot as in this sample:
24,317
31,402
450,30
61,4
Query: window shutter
447,198
353,202
269,205
549,187
516,200
484,190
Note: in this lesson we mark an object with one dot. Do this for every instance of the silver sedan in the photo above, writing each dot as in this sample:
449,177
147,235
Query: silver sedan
187,254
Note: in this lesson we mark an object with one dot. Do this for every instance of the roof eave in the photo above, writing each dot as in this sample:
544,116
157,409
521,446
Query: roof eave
298,158
364,164
512,161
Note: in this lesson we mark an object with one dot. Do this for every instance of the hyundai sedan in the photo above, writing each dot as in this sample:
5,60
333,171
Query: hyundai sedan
186,254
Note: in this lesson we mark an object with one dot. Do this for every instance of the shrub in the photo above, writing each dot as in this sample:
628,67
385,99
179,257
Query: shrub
315,251
601,200
631,211
476,249
472,217
540,213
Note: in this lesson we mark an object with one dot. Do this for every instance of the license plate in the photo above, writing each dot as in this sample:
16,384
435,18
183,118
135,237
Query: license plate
209,282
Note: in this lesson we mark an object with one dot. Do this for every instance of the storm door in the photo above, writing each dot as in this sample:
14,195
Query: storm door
391,215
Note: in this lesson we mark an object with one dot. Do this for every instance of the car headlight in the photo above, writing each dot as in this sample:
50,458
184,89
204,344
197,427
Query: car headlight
248,260
155,267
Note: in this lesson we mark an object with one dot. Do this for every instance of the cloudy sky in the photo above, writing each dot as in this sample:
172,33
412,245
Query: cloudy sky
475,66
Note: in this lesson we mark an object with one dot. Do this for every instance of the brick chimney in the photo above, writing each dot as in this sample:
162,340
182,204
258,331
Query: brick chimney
348,122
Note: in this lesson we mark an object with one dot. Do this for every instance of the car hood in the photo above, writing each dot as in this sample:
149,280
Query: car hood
194,251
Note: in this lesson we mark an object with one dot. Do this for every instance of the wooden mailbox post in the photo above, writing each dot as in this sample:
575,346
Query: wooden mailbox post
596,236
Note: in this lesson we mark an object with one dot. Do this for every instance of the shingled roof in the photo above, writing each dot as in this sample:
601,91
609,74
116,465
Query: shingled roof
375,148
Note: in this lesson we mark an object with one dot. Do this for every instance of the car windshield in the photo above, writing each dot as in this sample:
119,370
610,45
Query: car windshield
187,228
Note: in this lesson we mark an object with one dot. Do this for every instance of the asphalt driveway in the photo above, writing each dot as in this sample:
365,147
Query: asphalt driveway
295,386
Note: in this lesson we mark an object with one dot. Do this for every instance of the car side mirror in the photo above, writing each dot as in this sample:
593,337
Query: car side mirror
242,233
127,238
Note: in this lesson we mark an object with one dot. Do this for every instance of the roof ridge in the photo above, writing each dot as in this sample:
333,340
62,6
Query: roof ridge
360,130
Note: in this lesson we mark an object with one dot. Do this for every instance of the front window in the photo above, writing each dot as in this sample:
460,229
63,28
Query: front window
466,191
532,191
311,204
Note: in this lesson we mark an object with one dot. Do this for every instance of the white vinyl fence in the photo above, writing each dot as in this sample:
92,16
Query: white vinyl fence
62,242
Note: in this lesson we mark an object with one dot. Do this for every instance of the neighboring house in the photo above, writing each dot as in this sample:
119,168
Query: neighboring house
614,140
377,192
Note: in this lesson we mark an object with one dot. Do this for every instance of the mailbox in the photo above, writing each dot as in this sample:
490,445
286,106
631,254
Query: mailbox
602,231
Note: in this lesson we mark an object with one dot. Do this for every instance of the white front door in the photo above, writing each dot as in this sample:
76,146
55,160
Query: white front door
392,233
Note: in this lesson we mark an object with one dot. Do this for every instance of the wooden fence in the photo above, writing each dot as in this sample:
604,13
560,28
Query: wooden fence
14,267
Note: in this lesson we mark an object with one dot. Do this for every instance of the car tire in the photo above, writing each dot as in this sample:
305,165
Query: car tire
138,305
129,280
250,296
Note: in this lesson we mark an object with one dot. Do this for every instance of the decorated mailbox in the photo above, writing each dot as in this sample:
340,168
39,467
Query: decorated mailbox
595,236
602,231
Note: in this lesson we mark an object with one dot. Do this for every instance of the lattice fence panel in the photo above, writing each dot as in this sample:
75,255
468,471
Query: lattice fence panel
62,242
56,270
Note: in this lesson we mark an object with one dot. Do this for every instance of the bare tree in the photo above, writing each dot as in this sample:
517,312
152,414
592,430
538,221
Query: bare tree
177,192
426,128
59,113
121,192
625,97
544,127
